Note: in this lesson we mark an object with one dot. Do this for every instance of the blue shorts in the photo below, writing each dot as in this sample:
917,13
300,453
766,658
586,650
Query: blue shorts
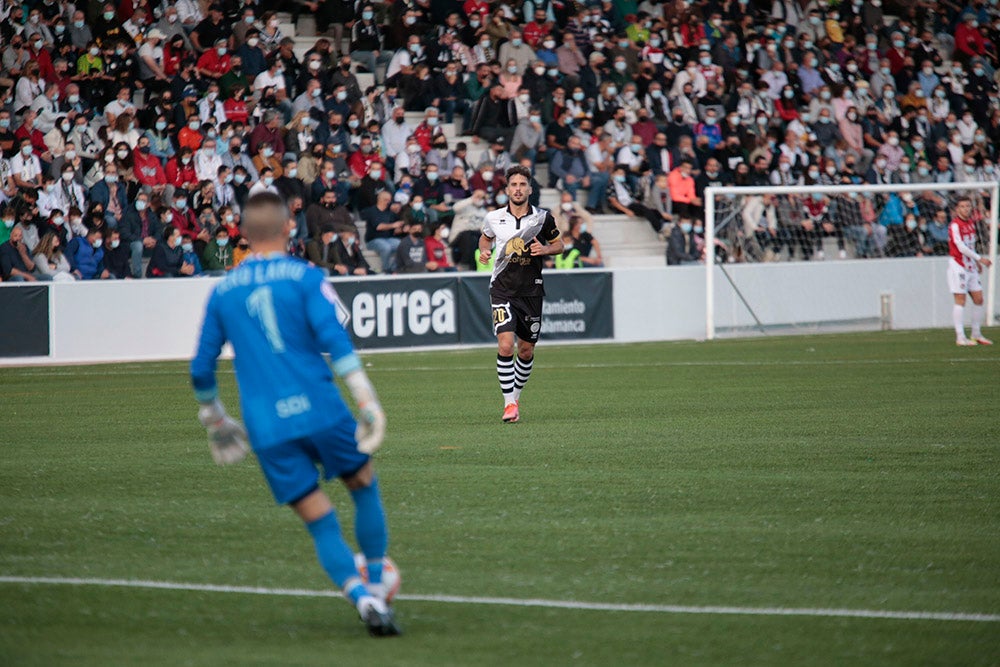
291,467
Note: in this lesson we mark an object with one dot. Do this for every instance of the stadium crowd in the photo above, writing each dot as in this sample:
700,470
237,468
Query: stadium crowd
133,132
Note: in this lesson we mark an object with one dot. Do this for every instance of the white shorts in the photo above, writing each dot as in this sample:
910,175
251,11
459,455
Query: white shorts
961,281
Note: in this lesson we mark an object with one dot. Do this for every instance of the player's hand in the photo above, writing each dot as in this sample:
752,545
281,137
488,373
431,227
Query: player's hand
227,439
986,261
484,256
371,428
537,248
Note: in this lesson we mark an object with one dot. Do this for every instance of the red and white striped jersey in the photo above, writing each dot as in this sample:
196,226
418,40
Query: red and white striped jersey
962,243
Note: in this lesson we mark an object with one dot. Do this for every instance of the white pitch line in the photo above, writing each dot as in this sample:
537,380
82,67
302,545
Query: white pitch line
373,368
518,602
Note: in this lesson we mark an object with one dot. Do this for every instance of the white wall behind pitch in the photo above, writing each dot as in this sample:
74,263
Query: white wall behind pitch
127,320
160,319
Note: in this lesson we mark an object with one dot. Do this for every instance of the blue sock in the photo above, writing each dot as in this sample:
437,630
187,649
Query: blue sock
336,557
370,529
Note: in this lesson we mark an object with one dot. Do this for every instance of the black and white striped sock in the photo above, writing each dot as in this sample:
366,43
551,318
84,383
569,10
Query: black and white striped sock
505,373
522,371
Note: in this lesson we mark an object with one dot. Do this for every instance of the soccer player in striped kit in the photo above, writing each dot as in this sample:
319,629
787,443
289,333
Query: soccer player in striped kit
523,235
963,273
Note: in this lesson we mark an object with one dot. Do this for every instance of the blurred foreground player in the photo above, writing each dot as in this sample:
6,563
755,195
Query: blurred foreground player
963,273
280,315
523,235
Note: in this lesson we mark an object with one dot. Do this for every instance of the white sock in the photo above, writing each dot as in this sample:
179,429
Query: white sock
522,371
977,320
957,316
505,373
367,602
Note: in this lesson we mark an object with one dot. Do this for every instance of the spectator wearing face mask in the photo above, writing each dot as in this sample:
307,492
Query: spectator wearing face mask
267,158
372,185
436,247
569,208
322,252
349,250
115,262
529,136
180,171
969,42
50,260
217,257
382,227
682,247
585,243
85,254
851,130
891,151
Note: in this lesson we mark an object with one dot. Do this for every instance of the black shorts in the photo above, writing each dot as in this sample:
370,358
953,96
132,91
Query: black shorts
522,315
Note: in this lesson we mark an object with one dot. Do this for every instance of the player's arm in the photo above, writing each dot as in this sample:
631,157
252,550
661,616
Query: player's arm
327,317
553,239
956,238
485,248
227,438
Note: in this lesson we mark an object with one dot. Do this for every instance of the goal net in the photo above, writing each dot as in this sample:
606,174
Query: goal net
838,256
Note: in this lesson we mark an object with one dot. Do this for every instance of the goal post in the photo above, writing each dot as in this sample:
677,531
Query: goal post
731,237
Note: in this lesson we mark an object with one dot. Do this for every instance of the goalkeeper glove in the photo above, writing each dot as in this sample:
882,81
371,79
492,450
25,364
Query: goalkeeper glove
226,437
371,418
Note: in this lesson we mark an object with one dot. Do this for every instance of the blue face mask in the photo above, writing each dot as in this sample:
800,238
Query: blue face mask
619,178
501,199
686,227
222,243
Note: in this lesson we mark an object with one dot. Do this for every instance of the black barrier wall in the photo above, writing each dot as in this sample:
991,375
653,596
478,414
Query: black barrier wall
24,321
452,310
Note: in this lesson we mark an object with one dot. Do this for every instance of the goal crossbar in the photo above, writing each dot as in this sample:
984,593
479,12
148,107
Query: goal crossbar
711,192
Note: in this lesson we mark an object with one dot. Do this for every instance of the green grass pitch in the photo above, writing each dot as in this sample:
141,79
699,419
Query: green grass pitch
855,471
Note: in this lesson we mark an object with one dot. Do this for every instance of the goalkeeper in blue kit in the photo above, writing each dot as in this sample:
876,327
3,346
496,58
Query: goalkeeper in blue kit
281,315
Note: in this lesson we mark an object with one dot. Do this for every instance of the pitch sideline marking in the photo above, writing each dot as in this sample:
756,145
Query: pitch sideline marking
372,368
518,602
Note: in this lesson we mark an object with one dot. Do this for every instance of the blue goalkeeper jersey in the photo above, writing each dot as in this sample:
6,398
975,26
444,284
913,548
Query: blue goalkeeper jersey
280,314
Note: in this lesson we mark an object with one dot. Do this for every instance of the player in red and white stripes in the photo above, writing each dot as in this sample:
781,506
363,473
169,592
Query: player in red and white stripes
963,273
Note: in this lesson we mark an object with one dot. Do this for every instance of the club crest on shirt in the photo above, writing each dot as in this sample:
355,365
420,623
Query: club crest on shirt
516,246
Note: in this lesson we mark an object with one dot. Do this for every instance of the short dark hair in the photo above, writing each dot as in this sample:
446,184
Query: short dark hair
263,216
518,170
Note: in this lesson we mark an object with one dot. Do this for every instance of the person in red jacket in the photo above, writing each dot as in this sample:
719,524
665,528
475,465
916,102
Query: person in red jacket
190,135
180,170
147,168
173,53
186,222
428,129
480,7
969,42
437,249
38,53
538,29
361,159
214,62
236,106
